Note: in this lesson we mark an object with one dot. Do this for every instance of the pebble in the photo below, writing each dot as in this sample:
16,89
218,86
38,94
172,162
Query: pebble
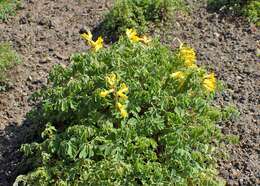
29,78
45,60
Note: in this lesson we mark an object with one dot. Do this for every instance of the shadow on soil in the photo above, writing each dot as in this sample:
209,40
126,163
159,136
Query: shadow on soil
229,10
12,161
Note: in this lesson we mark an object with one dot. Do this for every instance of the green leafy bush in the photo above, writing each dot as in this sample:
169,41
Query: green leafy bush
7,7
137,14
248,8
168,135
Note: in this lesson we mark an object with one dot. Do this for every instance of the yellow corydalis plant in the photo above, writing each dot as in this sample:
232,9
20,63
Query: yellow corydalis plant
118,92
132,35
95,45
178,75
111,80
188,55
209,82
105,93
121,93
145,39
122,110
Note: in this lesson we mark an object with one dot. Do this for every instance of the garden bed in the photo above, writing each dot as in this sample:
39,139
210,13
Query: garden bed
46,33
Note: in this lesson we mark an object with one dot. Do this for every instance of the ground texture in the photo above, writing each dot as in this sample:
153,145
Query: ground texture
46,32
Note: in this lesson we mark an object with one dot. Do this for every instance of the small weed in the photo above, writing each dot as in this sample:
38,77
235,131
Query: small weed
137,14
247,8
232,139
8,59
7,7
252,11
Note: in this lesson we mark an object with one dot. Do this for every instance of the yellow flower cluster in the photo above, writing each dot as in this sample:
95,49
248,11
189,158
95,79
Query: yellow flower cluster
188,55
122,110
209,82
119,93
111,80
95,45
178,75
132,35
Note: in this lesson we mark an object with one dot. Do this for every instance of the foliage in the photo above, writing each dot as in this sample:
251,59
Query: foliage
137,14
7,7
217,4
168,137
252,11
248,8
8,59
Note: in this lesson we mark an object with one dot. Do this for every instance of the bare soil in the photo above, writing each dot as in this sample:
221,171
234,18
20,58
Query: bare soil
46,32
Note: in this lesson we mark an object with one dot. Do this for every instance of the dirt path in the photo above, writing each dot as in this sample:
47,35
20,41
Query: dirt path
46,32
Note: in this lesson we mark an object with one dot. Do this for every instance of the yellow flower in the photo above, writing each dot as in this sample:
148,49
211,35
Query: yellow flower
95,45
145,39
132,35
124,113
122,110
178,75
111,79
88,37
105,93
209,82
122,91
98,44
188,55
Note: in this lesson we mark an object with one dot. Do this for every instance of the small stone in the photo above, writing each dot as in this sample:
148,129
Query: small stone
60,56
216,34
45,60
29,78
51,24
241,181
